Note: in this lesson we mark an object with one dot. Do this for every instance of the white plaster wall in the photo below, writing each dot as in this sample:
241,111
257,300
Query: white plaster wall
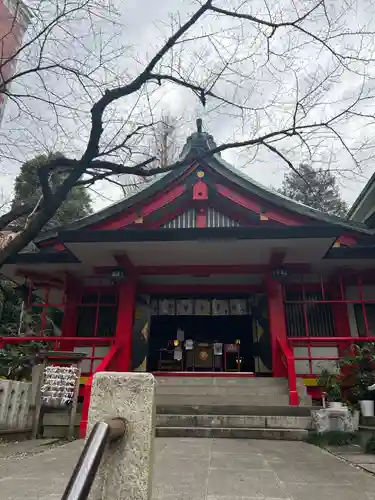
302,366
98,351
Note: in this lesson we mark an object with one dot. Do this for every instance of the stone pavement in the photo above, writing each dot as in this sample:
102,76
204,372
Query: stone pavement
205,469
356,456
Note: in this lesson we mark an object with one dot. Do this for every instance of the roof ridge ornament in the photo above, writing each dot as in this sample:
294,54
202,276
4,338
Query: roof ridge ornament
199,122
198,142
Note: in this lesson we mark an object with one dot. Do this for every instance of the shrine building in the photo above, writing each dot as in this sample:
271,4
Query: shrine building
206,272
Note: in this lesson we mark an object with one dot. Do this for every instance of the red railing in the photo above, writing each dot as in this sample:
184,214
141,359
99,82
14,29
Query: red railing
59,343
287,358
88,386
342,344
66,343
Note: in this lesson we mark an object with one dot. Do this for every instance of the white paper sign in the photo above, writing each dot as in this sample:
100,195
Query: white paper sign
59,385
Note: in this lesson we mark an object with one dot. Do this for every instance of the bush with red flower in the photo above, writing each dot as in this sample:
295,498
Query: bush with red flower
357,372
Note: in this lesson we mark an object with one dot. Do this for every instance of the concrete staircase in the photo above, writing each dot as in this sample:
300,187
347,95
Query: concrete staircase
221,407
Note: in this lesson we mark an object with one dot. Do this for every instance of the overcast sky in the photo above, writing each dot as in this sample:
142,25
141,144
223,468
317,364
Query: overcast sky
141,27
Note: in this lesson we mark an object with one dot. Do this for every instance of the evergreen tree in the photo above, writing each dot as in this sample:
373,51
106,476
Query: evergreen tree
77,205
27,187
314,188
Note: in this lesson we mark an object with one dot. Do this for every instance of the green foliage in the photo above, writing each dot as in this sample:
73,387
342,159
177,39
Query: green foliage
357,372
370,445
332,438
16,361
315,188
77,205
13,323
10,308
27,188
331,385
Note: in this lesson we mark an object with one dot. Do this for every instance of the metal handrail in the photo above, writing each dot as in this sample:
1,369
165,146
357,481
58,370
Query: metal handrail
84,473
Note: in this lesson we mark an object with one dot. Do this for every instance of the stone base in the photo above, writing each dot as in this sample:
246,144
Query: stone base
335,419
233,433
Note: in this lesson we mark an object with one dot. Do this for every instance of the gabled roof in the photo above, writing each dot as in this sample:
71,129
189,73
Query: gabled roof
364,206
253,187
195,149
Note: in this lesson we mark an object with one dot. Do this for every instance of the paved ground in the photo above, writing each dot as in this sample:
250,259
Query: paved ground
355,455
199,469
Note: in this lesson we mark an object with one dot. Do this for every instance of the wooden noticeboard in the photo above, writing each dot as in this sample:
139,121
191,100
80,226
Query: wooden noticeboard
57,386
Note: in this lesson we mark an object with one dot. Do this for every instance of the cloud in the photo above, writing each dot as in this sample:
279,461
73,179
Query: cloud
267,89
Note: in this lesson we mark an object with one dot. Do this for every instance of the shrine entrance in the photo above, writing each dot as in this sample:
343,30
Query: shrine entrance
212,335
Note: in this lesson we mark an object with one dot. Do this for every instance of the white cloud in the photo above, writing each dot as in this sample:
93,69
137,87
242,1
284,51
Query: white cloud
139,32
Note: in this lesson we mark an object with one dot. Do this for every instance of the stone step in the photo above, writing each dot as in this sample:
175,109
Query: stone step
197,390
233,421
233,433
236,418
221,381
225,409
221,391
212,400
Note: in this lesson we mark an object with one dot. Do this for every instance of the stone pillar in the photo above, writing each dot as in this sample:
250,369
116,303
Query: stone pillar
126,468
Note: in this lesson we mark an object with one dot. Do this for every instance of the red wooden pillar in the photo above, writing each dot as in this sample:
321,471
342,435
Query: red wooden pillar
277,323
125,318
69,324
340,316
340,313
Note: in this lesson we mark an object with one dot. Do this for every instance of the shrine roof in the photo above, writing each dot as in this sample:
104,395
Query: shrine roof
253,187
207,233
306,235
363,208
197,150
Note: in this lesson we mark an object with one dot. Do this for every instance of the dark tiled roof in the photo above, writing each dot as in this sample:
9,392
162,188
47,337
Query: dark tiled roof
197,146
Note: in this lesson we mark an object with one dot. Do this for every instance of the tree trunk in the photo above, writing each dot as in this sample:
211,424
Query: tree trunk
47,211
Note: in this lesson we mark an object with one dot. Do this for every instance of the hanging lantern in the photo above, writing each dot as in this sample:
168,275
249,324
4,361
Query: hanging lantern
118,275
280,274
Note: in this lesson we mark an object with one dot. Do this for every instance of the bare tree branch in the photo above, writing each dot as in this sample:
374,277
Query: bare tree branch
277,71
263,22
17,211
284,158
112,95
